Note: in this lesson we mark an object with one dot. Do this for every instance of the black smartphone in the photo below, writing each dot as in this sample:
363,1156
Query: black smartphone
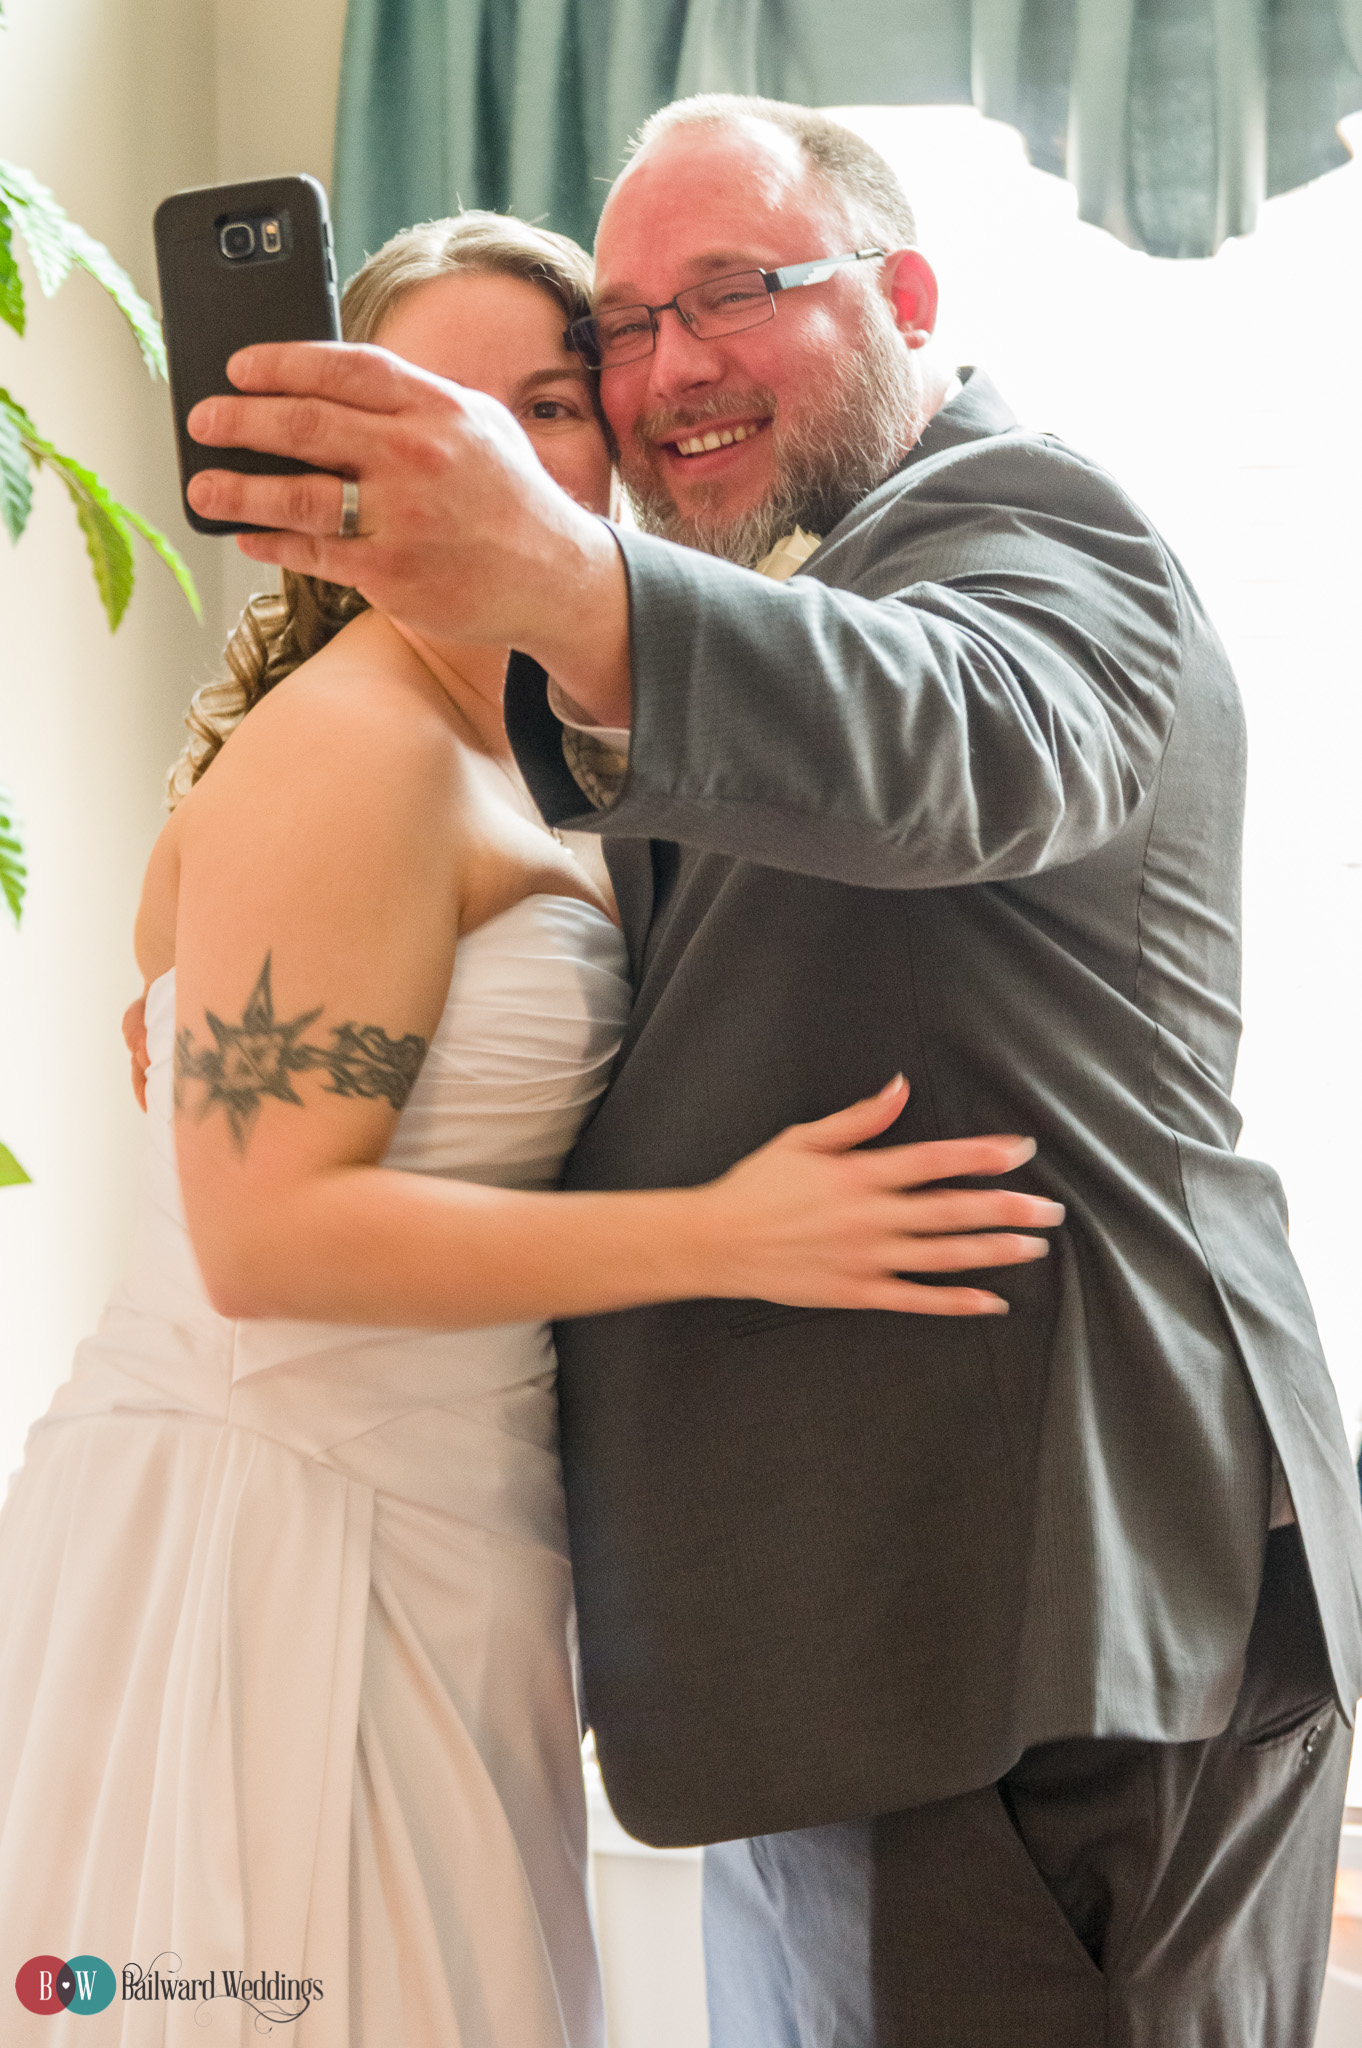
239,264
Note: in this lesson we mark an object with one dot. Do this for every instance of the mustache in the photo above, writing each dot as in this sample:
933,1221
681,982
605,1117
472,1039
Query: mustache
662,425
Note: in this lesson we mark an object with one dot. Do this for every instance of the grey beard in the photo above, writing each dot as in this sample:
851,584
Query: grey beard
825,465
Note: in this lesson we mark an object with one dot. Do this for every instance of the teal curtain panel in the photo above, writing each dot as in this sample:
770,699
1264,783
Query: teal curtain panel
1174,119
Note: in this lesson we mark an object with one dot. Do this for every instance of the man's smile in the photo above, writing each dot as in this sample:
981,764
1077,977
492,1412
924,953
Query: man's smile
710,447
705,442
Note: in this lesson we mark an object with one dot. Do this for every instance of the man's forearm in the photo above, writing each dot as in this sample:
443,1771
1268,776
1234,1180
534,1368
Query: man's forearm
582,636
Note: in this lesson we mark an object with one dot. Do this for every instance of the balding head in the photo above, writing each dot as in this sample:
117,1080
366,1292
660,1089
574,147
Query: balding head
852,176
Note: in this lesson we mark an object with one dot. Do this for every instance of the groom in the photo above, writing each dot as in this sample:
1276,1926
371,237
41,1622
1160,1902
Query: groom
1009,1662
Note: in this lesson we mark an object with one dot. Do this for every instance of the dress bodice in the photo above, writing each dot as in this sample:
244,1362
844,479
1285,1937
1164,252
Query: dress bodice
535,1011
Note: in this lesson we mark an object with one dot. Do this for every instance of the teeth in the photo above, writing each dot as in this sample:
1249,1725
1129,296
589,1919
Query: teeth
723,437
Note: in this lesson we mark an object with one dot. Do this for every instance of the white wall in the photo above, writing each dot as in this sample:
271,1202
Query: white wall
112,103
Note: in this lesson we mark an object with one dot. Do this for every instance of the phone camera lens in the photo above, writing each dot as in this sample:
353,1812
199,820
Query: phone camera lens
237,240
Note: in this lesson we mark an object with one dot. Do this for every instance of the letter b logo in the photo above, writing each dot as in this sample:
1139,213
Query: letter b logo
36,1984
46,1984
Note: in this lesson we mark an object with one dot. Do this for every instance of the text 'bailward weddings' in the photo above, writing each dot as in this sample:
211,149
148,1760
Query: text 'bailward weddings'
87,1984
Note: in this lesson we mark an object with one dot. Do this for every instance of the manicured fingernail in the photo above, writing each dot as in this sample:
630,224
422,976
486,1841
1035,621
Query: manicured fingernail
1026,1149
997,1306
1054,1212
889,1087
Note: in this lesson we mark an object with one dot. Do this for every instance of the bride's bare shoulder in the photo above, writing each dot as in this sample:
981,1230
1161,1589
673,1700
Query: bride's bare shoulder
345,768
364,706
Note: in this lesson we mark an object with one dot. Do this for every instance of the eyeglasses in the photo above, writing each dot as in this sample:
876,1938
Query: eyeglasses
721,305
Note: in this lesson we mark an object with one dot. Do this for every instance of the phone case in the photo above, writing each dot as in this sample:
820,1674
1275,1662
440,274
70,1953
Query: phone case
218,295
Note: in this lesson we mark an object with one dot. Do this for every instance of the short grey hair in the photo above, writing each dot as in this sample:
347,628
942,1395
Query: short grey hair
846,167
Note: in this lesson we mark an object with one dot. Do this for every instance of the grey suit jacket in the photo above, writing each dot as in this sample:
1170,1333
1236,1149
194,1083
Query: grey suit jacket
963,798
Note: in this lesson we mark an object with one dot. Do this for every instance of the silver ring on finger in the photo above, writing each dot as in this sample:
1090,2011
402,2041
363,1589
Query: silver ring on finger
349,519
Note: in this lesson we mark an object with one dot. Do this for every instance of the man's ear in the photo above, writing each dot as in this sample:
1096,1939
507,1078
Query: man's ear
909,283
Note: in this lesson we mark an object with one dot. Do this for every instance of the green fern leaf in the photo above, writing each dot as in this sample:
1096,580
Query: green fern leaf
13,873
42,223
11,284
107,525
56,242
172,558
101,520
106,536
16,476
20,417
12,1175
93,257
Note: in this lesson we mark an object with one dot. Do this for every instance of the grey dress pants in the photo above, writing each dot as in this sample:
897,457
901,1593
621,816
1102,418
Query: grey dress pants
1104,1894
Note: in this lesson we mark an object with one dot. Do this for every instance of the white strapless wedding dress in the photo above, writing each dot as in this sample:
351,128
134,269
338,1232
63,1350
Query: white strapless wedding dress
287,1678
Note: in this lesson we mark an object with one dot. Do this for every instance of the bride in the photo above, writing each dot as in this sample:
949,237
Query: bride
288,1731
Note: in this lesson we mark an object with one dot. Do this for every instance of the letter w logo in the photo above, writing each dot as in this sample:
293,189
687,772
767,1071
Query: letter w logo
86,1980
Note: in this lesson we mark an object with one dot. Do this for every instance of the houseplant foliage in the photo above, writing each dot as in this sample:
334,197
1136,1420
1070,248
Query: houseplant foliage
56,245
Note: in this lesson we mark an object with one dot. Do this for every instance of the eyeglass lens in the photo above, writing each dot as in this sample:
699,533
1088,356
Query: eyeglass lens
721,305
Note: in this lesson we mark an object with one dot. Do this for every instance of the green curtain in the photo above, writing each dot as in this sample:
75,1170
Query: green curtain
1172,118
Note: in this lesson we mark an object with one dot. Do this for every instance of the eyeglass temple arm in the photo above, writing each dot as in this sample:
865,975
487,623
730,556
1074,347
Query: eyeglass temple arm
815,272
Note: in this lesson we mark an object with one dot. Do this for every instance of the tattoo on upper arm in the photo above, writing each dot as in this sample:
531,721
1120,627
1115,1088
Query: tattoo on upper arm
259,1057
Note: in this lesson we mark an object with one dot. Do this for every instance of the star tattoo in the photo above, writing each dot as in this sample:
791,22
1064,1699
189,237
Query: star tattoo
259,1057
